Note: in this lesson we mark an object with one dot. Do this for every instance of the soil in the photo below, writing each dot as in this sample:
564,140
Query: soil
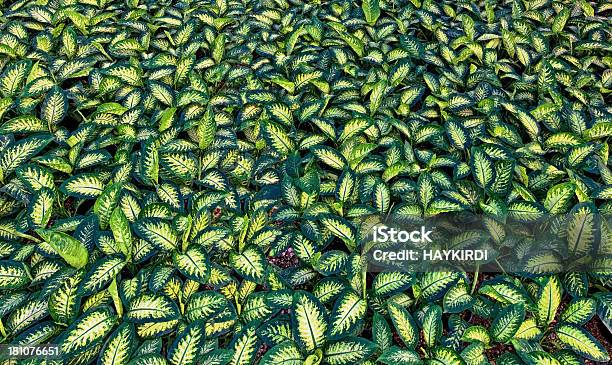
261,351
479,321
399,343
69,203
601,333
285,259
397,340
496,351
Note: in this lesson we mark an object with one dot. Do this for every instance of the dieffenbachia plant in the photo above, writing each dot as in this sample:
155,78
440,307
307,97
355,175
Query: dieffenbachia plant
183,181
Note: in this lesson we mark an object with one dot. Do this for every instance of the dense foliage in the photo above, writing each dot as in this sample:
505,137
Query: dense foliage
183,181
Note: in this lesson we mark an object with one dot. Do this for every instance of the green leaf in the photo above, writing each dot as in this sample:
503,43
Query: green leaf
281,113
345,186
114,293
548,301
148,359
205,305
507,322
187,346
101,274
381,197
435,283
207,128
354,127
64,301
55,107
445,356
381,332
560,20
476,334
88,330
250,264
329,156
582,229
69,248
504,292
13,76
130,75
528,330
351,350
308,321
277,138
41,208
162,93
558,197
25,315
599,130
122,233
482,168
286,353
23,124
166,119
579,154
331,262
218,47
587,8
378,92
523,211
426,192
355,43
13,275
284,83
149,162
193,264
245,346
387,282
159,233
217,357
19,152
120,345
579,311
539,358
341,229
457,299
397,356
457,134
474,353
106,203
149,307
85,186
348,313
404,325
371,10
581,342
432,325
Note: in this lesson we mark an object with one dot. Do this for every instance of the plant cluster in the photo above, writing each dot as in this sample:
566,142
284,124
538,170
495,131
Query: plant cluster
186,182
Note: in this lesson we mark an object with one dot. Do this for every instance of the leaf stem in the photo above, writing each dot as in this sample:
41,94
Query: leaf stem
475,280
501,267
